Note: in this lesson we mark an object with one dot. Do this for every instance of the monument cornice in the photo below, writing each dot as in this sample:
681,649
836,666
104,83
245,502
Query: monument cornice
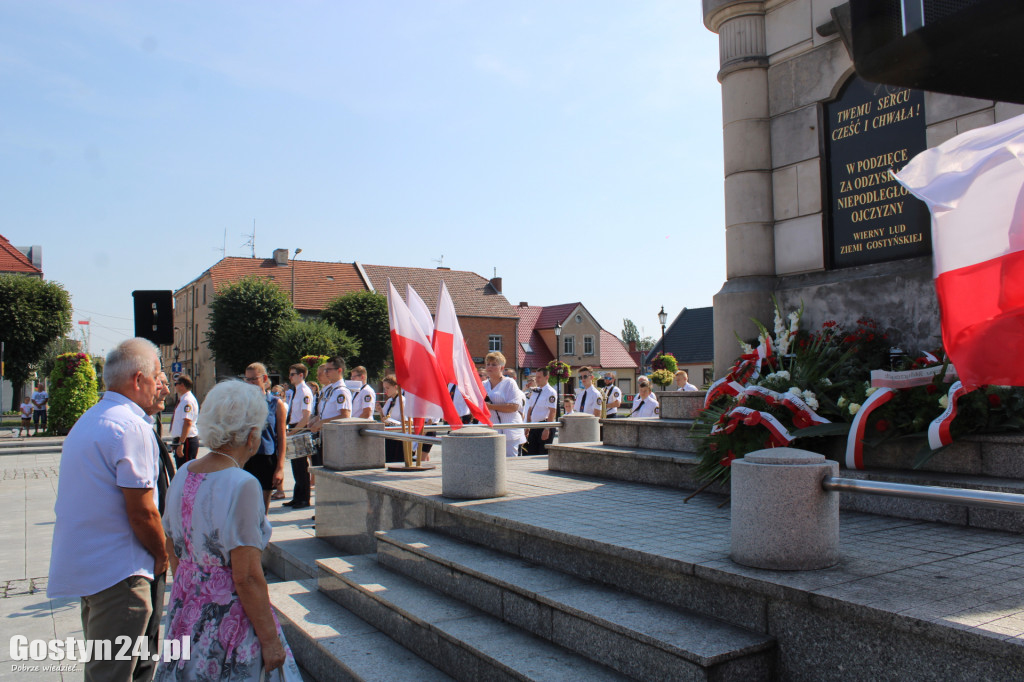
717,12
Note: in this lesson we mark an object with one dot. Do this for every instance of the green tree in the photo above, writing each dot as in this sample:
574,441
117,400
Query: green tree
364,316
72,391
310,337
57,347
33,314
246,318
631,333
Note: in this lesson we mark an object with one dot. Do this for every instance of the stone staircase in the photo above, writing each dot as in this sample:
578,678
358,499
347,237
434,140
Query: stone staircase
661,452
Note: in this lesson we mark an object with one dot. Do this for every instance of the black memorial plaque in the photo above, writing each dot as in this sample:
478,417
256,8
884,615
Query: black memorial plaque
870,218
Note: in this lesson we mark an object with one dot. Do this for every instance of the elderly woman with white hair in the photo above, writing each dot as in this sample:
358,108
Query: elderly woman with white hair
216,529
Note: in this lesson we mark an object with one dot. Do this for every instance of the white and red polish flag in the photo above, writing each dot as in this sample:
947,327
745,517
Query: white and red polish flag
417,408
416,367
974,186
454,358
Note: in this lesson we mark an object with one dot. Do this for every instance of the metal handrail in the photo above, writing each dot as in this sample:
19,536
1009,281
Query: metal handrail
972,498
529,425
398,435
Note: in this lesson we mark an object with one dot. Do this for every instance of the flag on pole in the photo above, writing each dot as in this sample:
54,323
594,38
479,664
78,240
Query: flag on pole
974,186
415,365
415,407
454,359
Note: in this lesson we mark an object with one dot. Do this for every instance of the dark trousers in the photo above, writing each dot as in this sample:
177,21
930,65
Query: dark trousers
300,471
534,444
189,450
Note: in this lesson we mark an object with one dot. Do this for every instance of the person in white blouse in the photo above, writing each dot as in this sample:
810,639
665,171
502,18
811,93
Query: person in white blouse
645,404
504,400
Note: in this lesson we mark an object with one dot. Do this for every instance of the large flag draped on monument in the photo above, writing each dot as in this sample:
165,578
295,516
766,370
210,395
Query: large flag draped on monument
418,408
974,186
454,359
416,367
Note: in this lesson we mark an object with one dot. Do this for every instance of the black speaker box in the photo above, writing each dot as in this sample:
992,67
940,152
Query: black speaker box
154,316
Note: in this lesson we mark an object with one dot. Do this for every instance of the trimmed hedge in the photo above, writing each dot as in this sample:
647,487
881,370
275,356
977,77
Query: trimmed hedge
72,391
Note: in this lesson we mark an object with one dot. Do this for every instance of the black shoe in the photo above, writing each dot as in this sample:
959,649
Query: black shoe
300,505
295,503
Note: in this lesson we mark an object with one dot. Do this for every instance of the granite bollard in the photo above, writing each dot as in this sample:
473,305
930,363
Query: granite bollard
346,450
578,427
782,519
473,463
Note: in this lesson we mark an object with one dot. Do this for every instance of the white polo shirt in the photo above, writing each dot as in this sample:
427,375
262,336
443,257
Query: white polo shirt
588,400
187,408
334,398
365,397
645,407
612,394
539,401
112,446
301,399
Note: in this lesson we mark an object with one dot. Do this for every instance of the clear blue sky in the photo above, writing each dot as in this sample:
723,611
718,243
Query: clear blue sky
575,146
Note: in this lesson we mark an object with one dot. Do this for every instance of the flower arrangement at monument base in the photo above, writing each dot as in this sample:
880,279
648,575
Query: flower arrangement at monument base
826,389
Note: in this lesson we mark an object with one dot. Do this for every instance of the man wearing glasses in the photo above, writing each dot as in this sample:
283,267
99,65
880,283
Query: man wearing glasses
588,398
183,423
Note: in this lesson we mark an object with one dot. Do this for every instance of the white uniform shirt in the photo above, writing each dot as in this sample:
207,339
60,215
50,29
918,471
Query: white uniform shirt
506,391
112,446
187,408
301,398
539,401
645,407
392,411
613,393
588,401
688,387
461,406
364,398
334,398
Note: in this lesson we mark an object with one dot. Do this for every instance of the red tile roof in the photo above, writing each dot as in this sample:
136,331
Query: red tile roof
614,353
533,318
472,294
12,260
316,282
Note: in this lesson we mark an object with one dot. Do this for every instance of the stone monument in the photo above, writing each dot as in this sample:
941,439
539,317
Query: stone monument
811,214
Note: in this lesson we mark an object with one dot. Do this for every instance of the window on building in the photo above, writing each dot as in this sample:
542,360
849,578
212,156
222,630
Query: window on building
204,294
526,347
588,345
195,337
569,345
709,375
493,343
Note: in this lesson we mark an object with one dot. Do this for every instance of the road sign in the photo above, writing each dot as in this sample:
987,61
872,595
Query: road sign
176,367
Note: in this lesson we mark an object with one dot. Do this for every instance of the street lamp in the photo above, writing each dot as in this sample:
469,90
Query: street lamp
297,252
558,366
662,318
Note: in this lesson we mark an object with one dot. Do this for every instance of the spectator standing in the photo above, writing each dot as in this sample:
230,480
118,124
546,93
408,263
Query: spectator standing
183,423
504,399
267,465
26,416
40,398
108,541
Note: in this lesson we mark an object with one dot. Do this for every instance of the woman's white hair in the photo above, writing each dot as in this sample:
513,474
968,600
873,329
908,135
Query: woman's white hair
230,412
129,357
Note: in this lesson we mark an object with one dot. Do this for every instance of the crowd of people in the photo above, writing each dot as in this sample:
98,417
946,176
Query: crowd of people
127,509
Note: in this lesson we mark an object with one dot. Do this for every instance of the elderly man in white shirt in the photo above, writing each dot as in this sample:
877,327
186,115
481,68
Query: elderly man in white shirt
108,540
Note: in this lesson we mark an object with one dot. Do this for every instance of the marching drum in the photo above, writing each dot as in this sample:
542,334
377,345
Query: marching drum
299,445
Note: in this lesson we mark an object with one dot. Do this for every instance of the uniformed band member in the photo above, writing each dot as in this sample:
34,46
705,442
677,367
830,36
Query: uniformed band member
504,400
588,398
645,404
299,398
461,406
612,396
183,423
391,415
541,404
364,399
683,381
335,402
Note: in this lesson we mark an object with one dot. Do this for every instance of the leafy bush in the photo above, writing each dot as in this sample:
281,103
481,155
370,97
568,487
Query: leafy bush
300,338
72,391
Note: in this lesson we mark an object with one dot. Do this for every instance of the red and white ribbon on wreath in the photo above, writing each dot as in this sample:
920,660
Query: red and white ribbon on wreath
792,402
721,387
749,417
855,441
938,430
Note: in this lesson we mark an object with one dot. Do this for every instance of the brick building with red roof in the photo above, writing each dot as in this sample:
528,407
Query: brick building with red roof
583,342
15,261
487,319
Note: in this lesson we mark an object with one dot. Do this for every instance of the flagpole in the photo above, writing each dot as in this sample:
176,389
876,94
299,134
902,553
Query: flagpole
406,445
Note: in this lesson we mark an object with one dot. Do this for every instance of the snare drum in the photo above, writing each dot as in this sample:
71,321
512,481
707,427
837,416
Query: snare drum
299,445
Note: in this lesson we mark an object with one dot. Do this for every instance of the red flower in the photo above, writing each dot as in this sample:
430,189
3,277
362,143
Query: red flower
931,388
882,425
713,447
730,427
728,459
830,323
994,400
752,419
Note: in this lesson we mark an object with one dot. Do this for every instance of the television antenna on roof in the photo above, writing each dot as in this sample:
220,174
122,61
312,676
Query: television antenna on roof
439,261
251,242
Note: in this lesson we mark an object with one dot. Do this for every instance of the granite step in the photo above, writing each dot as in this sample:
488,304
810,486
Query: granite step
331,643
649,433
638,637
460,639
638,465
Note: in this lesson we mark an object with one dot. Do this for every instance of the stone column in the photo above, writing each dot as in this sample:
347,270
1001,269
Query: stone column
473,466
749,214
782,519
346,450
579,428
